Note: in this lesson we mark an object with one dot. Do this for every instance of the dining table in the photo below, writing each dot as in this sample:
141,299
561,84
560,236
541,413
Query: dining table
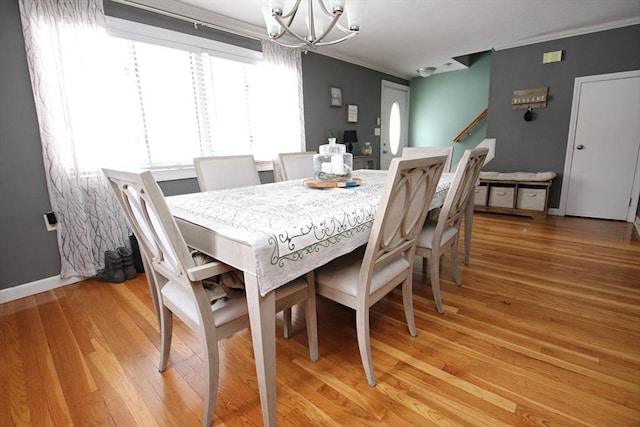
275,233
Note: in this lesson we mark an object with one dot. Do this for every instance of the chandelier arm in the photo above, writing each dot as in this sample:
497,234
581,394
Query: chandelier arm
344,29
307,46
311,41
311,35
332,24
288,31
292,13
347,37
325,9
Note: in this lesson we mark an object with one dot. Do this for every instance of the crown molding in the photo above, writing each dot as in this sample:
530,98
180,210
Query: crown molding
571,33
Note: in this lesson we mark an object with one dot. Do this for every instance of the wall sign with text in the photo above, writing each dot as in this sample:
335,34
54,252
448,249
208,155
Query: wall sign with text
529,98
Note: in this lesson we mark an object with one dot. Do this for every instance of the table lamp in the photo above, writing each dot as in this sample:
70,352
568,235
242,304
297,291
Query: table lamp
349,137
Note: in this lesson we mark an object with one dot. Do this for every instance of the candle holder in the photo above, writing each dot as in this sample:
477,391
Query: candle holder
332,163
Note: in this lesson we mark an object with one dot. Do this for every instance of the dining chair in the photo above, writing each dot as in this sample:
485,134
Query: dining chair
360,279
411,152
295,165
441,234
179,280
223,172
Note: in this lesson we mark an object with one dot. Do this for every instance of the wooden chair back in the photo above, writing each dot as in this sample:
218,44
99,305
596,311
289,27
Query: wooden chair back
295,165
178,280
162,243
222,172
462,188
407,194
411,152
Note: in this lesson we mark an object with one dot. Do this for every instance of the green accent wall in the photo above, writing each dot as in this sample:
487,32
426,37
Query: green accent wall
444,104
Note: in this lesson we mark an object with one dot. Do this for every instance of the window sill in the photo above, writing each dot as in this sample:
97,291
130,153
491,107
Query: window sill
189,172
174,174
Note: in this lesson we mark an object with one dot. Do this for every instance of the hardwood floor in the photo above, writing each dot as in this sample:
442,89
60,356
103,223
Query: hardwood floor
545,330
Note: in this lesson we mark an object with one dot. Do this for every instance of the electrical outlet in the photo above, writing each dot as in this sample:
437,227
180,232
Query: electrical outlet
50,227
376,131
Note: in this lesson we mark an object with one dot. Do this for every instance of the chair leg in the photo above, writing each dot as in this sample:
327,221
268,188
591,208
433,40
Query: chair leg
434,267
211,380
468,226
286,316
364,344
407,302
454,262
153,288
166,330
311,318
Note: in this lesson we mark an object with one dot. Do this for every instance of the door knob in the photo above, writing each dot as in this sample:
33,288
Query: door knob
580,147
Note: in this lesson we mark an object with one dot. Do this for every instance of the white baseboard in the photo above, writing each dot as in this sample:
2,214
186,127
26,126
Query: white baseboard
42,285
553,211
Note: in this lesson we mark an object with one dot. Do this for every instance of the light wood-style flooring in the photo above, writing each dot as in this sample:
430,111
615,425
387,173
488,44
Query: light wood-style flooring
545,330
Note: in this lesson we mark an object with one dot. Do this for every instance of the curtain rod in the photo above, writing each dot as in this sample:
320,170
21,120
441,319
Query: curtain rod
194,21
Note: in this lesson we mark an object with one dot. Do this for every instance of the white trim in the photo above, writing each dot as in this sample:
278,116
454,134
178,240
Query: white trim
571,33
32,288
187,12
187,172
579,81
130,30
173,174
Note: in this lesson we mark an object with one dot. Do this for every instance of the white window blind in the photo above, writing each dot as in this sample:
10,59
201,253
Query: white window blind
174,97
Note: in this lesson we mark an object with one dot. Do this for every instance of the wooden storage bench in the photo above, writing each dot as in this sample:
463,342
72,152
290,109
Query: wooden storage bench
517,193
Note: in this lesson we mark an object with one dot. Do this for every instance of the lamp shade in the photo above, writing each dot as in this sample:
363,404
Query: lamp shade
350,136
273,28
355,11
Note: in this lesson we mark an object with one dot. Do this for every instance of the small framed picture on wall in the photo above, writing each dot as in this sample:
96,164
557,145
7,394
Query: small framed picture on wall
352,113
335,94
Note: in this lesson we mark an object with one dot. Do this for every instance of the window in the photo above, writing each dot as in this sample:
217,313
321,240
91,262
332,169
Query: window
174,97
394,128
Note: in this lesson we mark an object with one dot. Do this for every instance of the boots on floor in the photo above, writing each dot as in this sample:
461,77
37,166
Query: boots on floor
113,271
127,262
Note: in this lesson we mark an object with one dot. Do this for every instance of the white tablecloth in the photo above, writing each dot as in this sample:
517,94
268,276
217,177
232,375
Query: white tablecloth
292,229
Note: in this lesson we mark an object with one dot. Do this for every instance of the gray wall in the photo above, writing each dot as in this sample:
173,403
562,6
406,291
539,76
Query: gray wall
27,251
541,144
360,86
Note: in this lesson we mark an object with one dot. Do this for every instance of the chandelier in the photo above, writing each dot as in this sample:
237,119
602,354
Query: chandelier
280,23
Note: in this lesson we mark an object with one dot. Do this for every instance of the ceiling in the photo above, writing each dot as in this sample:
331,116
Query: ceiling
399,36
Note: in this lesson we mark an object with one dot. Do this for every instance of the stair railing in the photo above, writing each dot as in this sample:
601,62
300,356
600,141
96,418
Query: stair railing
467,130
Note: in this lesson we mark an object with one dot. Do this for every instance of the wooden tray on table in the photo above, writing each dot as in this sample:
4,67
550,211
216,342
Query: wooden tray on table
313,183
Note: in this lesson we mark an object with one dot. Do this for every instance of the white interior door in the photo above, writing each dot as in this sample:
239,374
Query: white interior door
394,125
602,174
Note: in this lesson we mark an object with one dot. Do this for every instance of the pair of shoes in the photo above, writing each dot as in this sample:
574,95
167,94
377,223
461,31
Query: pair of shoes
127,263
113,271
137,258
118,266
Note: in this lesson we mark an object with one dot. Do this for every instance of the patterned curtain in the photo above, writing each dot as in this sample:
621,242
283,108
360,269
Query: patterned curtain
283,84
64,44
